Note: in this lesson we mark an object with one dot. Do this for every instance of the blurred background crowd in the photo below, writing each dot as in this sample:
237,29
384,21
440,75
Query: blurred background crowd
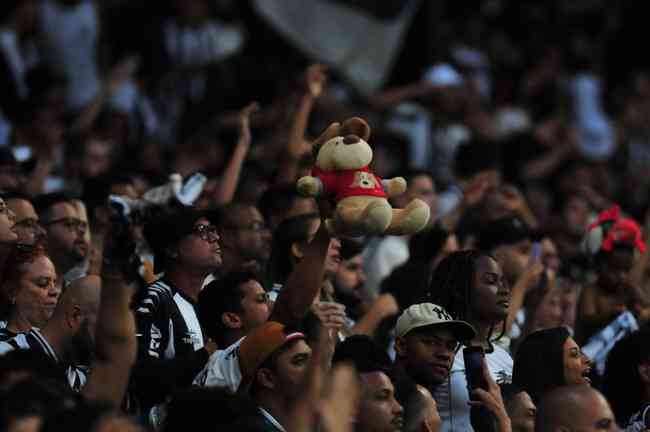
525,126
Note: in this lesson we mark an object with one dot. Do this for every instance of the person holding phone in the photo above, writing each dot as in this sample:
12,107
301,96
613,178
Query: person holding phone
488,411
471,286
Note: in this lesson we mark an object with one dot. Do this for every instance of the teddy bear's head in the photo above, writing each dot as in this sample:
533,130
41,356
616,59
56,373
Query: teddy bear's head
344,146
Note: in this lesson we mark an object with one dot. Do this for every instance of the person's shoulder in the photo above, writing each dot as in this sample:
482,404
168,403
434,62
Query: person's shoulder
19,341
153,295
6,334
637,420
499,359
222,368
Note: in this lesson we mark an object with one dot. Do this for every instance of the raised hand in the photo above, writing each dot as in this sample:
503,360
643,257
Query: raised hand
315,79
244,124
332,315
337,409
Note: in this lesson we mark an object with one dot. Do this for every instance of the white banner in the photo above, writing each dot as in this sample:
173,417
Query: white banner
357,44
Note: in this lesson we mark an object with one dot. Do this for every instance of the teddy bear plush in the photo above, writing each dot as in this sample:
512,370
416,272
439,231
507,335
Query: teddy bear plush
341,171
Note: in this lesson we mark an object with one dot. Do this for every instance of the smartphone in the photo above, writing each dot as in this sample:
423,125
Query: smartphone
536,252
480,418
474,357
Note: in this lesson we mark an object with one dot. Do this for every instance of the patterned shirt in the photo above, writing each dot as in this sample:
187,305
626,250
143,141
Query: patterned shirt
170,342
76,375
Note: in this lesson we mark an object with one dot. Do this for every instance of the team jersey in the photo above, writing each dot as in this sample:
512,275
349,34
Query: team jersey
222,369
170,343
5,333
637,422
76,375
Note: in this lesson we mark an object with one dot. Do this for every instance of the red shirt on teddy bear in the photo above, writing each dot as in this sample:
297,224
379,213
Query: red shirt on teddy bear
352,182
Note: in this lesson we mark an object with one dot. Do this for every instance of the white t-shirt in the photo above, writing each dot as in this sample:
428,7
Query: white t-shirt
70,35
452,396
382,256
222,369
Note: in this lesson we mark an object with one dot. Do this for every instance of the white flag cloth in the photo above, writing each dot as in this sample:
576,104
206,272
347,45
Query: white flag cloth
598,346
360,46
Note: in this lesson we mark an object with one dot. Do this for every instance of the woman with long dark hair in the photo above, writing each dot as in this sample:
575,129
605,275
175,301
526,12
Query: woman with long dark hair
470,285
547,359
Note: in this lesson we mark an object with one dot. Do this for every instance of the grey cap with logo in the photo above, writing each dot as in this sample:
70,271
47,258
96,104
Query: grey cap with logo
429,314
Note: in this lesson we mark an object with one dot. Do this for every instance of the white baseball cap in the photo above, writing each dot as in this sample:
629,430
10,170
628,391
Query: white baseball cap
429,314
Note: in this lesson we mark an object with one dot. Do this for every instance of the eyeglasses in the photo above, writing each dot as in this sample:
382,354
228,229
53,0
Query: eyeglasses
205,232
253,226
71,224
29,223
262,298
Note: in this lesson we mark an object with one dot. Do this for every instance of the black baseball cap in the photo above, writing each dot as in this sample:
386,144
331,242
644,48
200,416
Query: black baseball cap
507,230
363,353
167,229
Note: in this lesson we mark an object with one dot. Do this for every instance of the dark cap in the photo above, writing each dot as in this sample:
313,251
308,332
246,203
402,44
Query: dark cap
350,248
167,229
504,231
363,353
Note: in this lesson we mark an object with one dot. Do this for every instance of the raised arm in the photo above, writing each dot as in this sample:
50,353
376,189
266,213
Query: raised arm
385,306
115,336
394,96
227,185
313,83
116,76
304,282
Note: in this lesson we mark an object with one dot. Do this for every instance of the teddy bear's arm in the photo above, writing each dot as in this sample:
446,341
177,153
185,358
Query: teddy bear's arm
309,186
395,186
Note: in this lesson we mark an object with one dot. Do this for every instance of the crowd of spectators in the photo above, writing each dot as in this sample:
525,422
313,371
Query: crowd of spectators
160,271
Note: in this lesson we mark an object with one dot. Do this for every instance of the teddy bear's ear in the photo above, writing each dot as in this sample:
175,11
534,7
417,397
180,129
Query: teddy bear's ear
356,126
330,132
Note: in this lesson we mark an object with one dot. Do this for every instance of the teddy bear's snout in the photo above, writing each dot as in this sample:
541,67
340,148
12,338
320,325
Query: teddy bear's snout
351,139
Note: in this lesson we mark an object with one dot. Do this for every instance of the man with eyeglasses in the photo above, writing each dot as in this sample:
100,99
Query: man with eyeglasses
172,347
245,238
28,228
66,240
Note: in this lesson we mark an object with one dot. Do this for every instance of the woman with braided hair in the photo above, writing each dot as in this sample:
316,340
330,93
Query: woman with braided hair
470,285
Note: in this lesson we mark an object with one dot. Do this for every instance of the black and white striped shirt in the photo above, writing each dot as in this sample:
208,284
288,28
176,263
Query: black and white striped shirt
76,376
170,342
5,333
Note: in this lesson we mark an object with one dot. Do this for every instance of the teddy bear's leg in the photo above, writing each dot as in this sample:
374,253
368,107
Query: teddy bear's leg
410,219
358,215
376,216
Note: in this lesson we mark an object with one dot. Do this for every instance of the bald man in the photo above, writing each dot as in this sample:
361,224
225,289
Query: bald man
577,408
68,337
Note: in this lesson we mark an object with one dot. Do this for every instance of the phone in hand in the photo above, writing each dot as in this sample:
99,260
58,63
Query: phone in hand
481,419
474,357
